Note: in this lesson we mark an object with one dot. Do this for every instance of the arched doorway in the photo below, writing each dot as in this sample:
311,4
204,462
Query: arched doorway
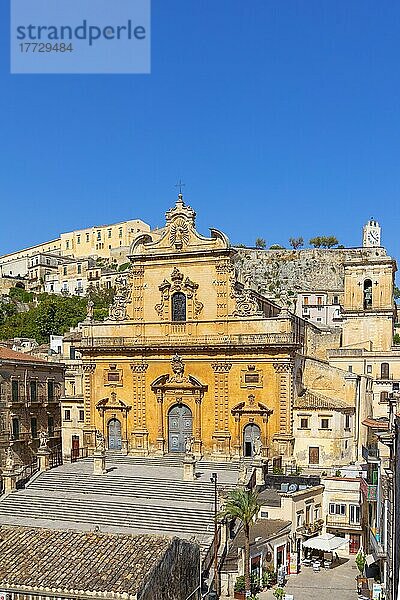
180,427
251,433
114,435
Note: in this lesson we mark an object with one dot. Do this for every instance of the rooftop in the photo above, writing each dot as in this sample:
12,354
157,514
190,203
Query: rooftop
12,355
313,400
47,558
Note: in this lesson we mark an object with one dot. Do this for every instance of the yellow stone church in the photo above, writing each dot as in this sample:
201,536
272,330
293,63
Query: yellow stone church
189,352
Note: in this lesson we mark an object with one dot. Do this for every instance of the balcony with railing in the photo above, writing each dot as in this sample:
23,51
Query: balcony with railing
342,522
310,529
369,491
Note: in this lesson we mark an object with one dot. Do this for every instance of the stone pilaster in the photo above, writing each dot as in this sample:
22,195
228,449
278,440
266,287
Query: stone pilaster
140,434
221,434
89,428
137,273
284,438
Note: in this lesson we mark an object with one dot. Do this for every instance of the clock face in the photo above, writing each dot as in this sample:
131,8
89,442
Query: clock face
373,237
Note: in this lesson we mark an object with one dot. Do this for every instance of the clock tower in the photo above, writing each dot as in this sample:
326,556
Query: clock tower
372,234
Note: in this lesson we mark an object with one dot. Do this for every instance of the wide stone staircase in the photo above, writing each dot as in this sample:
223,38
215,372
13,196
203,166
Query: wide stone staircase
137,495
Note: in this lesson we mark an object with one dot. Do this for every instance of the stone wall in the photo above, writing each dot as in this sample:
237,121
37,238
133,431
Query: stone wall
278,272
176,576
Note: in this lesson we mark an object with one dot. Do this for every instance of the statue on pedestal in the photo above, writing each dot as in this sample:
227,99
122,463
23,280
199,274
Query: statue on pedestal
44,438
100,441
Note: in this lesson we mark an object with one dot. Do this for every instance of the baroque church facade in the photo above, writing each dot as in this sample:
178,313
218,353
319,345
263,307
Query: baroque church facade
189,352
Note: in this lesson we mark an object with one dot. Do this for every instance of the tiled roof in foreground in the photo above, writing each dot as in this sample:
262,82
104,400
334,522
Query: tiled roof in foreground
311,400
8,354
67,561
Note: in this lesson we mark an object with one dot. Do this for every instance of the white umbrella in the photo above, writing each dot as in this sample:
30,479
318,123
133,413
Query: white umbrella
327,542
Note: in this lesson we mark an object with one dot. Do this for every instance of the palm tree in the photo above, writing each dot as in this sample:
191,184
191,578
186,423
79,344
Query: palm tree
242,504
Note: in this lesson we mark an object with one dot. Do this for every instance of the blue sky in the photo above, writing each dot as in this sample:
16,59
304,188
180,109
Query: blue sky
282,117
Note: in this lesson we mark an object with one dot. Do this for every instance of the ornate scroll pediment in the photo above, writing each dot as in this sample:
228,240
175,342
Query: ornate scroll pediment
246,302
179,235
251,407
112,403
178,379
117,310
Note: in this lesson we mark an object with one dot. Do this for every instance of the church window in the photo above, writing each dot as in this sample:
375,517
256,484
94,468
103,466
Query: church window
385,371
367,294
67,415
78,239
15,429
347,422
304,423
179,307
87,237
324,423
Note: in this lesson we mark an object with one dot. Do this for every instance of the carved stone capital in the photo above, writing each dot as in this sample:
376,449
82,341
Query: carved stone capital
283,367
89,368
224,267
221,367
139,367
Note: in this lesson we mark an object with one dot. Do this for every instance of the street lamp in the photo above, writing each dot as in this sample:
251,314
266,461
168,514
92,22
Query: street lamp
214,480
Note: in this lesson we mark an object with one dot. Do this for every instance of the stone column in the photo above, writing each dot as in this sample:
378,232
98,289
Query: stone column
99,462
189,468
43,456
197,426
160,421
237,444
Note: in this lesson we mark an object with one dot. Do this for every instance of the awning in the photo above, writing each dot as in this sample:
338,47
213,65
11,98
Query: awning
327,542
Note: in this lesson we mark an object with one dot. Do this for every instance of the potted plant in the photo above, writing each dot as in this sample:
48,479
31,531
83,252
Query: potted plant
239,590
279,593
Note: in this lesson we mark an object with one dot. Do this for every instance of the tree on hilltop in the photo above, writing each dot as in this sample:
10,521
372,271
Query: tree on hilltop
261,243
324,241
296,242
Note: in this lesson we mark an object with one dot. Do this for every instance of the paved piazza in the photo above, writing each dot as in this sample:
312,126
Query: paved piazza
334,584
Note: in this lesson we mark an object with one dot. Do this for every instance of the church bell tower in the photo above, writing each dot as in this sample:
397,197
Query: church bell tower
372,234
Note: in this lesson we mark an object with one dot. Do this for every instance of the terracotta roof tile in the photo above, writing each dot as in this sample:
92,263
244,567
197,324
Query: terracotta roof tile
314,400
72,560
8,354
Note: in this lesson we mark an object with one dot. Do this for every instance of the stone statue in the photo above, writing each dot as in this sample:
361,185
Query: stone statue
117,310
188,445
90,310
100,441
257,447
44,438
9,459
